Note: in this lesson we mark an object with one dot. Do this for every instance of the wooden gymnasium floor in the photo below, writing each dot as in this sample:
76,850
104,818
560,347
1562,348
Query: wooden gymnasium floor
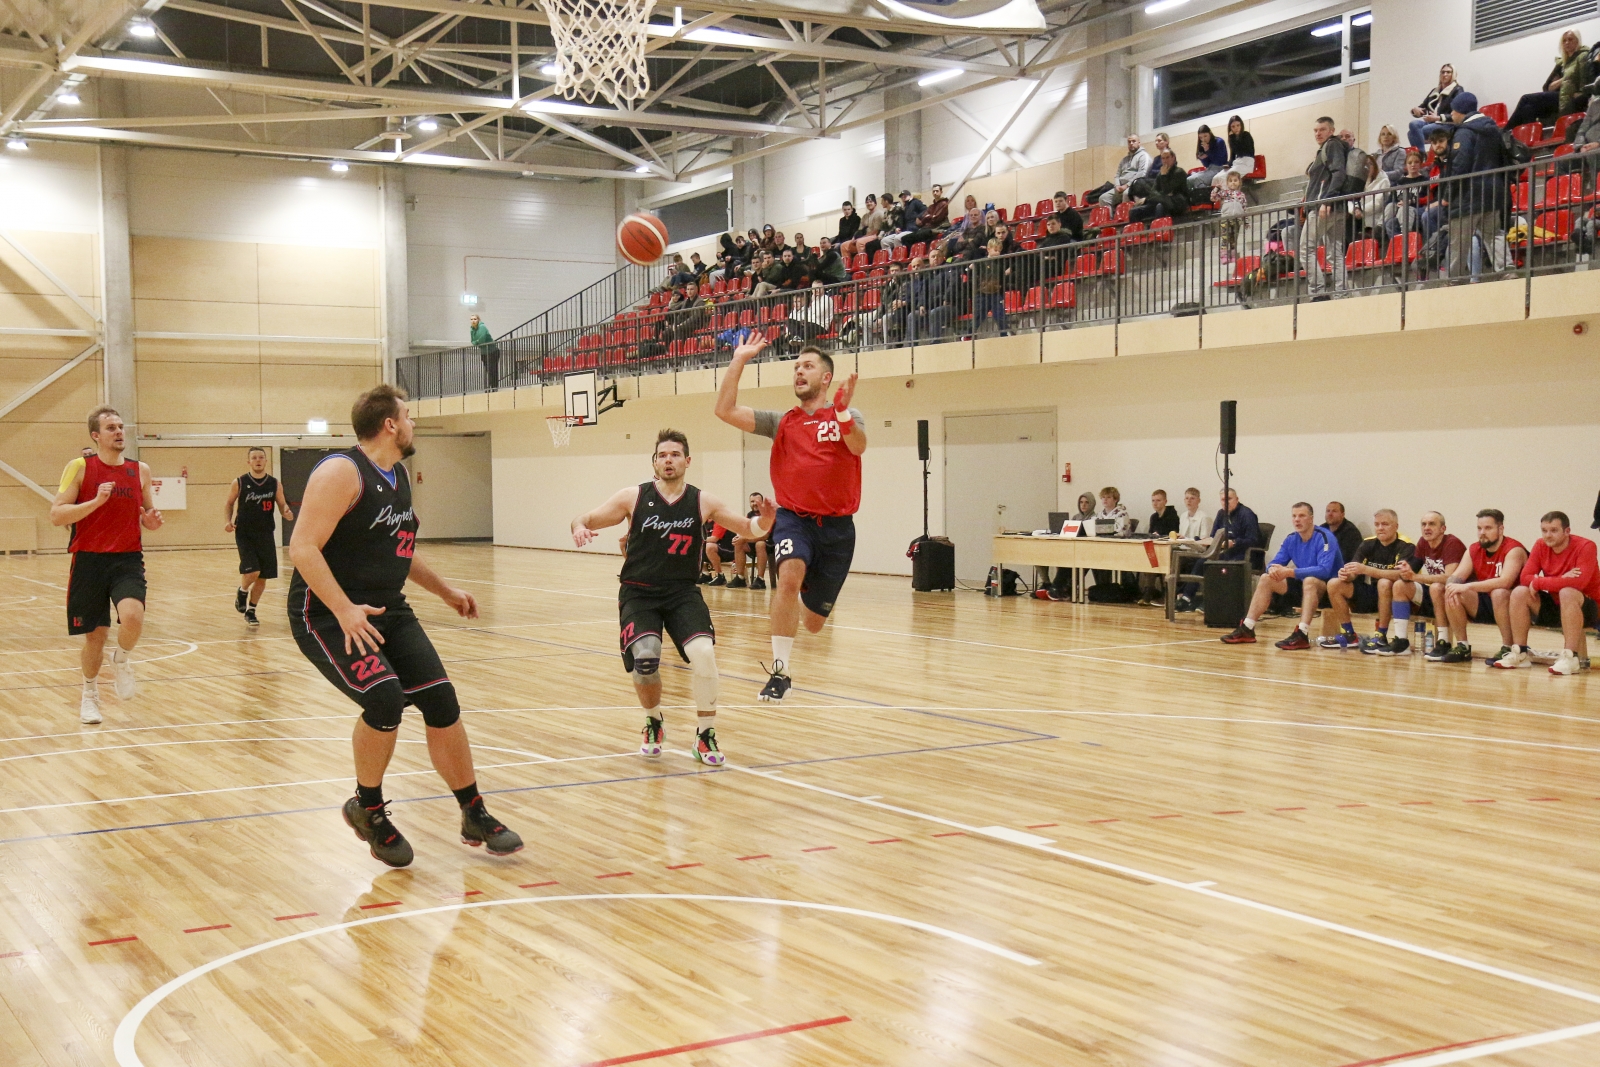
979,832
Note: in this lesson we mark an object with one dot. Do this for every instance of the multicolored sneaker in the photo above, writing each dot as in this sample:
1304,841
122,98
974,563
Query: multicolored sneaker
241,597
1461,652
1372,646
706,750
654,730
1397,646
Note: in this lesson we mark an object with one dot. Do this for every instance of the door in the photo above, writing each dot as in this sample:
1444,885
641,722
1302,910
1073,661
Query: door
999,473
294,470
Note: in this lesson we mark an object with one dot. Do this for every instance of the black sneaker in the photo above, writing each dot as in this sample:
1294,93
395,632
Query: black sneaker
478,827
241,599
1295,642
1441,649
250,616
777,686
372,825
736,582
705,578
1241,635
1460,653
758,583
1397,646
718,580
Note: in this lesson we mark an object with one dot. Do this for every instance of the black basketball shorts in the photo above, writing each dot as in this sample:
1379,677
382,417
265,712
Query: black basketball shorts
406,659
825,544
677,610
96,582
258,551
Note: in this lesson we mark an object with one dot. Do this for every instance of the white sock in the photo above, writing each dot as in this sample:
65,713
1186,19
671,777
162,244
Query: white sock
92,684
118,655
782,648
706,722
1249,623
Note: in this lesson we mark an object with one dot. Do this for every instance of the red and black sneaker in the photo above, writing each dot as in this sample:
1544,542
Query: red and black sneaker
1296,641
383,839
478,827
1242,635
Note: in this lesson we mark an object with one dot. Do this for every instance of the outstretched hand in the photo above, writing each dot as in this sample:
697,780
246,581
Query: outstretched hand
581,534
751,347
841,399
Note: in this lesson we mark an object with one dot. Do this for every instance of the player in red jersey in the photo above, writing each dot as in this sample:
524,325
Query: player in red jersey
816,477
105,499
1480,589
1560,587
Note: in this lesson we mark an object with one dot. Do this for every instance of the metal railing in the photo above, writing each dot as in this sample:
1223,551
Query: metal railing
1514,222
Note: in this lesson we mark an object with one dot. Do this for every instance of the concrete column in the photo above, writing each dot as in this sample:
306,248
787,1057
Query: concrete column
1112,113
116,278
902,145
396,279
749,188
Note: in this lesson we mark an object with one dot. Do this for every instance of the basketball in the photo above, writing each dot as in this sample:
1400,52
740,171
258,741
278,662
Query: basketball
642,238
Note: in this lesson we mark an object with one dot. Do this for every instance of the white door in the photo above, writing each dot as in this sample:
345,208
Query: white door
999,473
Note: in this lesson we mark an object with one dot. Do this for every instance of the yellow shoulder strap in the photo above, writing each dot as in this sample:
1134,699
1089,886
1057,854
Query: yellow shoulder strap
70,475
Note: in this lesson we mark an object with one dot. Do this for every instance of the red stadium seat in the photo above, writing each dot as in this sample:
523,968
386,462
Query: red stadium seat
1260,172
900,254
1498,112
1087,266
1113,262
1120,216
1243,267
859,262
1161,230
1002,213
1529,133
1061,295
880,257
1099,216
1046,207
919,250
1022,211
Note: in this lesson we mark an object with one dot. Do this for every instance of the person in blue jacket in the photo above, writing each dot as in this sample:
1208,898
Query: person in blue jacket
1237,525
1308,558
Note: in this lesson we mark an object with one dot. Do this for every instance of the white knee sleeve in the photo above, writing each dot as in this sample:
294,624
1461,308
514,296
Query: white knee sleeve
703,665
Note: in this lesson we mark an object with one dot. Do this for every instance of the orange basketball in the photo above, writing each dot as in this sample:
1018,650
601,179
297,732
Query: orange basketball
642,239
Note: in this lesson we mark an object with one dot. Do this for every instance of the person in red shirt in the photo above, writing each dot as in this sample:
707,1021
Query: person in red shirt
1480,589
816,477
1436,557
105,499
1560,587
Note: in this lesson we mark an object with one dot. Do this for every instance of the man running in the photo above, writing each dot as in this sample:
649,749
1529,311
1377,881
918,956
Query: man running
353,550
816,476
105,499
666,529
255,493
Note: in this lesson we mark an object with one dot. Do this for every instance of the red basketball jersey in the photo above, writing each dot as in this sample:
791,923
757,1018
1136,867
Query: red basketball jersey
813,470
114,525
1485,566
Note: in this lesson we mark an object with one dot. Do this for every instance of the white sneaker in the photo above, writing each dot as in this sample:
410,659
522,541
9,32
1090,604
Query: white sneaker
1510,658
122,673
1569,663
89,706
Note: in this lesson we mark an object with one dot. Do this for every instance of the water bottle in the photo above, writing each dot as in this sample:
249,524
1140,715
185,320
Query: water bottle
1430,636
1419,633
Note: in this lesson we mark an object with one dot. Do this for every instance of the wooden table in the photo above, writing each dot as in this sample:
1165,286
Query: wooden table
1078,554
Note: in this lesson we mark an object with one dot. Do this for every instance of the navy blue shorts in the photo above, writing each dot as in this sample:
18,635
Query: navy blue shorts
825,544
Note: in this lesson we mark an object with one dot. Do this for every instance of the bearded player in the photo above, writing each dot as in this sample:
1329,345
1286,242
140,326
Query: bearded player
354,548
254,494
660,585
105,499
816,476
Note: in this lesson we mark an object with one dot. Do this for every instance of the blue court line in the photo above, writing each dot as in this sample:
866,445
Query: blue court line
508,789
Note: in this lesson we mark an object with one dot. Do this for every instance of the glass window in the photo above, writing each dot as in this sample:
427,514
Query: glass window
1360,44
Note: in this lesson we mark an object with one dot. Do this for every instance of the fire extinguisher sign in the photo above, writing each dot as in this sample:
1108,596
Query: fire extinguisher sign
1066,472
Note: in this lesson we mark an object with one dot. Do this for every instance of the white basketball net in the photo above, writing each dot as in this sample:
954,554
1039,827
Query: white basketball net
561,429
600,47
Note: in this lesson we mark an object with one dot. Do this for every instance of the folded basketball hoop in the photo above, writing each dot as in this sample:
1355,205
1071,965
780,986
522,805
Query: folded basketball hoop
600,47
561,428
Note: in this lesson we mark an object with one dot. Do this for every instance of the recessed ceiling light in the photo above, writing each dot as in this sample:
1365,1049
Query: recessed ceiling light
69,98
339,166
142,28
427,124
643,168
17,144
938,76
1329,30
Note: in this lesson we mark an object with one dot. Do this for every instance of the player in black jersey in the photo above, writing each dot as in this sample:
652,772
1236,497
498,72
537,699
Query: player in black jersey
660,590
256,494
353,551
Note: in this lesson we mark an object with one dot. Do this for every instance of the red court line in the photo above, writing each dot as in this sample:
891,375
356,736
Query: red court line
385,904
203,929
536,885
819,848
1356,805
461,896
1480,802
1288,809
1035,826
682,866
1166,816
302,915
884,841
1543,798
1227,813
716,1042
963,833
758,856
1425,1051
1406,803
11,955
114,940
1105,820
616,874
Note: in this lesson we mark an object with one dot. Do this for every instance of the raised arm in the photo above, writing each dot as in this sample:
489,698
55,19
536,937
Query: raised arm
227,507
724,516
728,408
619,508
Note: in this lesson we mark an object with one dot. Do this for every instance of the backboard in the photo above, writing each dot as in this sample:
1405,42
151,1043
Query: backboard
582,390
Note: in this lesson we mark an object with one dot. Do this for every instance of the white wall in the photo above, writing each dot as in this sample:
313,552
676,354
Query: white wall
1053,124
521,246
1412,39
453,486
50,187
854,158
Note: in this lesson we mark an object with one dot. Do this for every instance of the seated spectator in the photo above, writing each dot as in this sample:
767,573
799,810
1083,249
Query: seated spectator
1565,87
1164,521
1431,564
1587,137
807,260
1435,107
770,241
1212,156
1071,221
1355,163
809,320
1560,587
1346,532
829,265
1112,508
908,222
989,297
719,550
1238,527
849,224
1162,143
1164,196
1306,562
1056,247
1008,242
1391,154
1231,202
937,215
895,303
688,313
872,224
1480,589
1132,167
1192,522
1367,212
750,555
1241,149
933,298
1365,585
773,274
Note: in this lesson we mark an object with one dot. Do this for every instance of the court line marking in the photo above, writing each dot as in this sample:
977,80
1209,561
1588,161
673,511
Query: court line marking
718,1042
1493,1048
1011,837
239,740
36,581
18,601
193,647
123,1041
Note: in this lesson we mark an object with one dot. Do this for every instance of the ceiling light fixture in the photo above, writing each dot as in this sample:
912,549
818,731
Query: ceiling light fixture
1329,30
70,98
142,28
339,166
427,124
551,70
17,144
643,168
1163,5
935,77
1364,19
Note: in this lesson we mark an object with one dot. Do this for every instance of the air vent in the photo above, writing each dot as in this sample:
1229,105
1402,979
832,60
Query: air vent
1502,20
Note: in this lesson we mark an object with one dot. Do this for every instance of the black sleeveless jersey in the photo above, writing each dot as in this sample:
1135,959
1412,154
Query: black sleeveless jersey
370,550
257,501
665,541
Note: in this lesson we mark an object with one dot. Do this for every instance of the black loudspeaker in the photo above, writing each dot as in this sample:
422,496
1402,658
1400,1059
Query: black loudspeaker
922,441
1227,586
933,564
1230,426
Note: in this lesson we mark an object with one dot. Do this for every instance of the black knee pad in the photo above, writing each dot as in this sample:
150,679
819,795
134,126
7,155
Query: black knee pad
439,705
382,706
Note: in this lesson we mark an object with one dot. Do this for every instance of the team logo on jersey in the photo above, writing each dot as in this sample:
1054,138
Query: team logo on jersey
391,518
654,522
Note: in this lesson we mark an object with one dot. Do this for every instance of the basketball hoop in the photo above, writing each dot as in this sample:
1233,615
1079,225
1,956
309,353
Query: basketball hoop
561,428
600,47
